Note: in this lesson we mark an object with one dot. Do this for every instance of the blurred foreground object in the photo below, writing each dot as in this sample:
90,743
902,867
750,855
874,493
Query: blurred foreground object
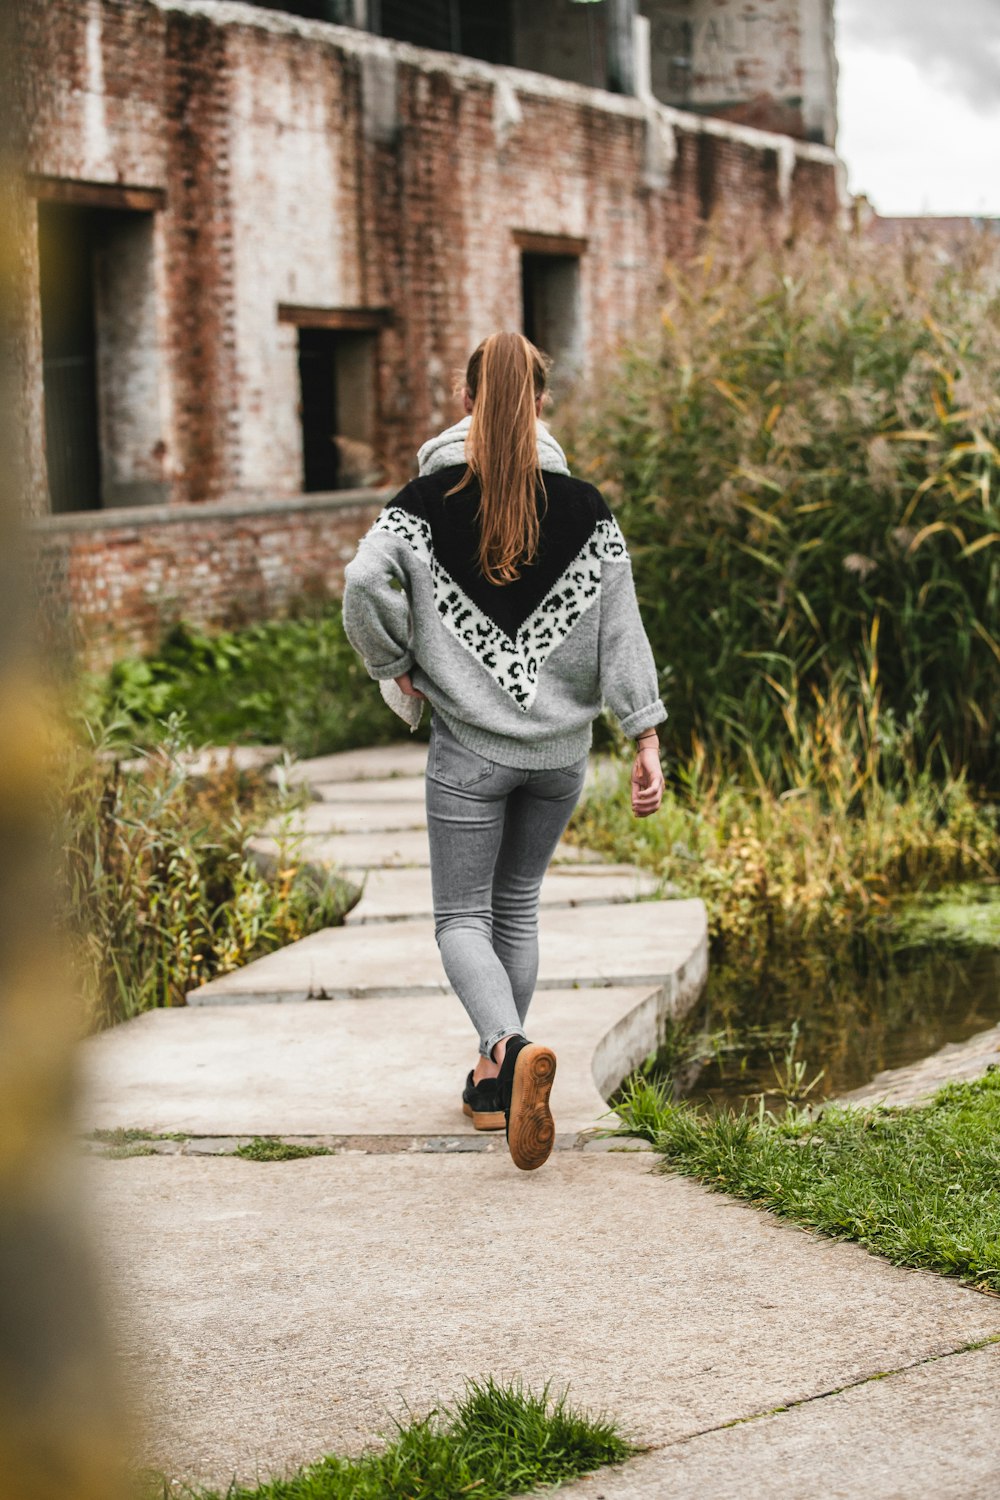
60,1419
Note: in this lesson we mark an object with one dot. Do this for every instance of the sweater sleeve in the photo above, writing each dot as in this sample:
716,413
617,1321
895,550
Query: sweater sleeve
629,684
376,615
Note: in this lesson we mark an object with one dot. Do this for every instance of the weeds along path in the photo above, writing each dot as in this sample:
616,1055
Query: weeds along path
374,1251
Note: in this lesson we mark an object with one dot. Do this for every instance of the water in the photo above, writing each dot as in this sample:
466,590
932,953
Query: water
846,1016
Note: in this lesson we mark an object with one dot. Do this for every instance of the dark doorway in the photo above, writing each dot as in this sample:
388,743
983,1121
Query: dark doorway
550,289
100,351
66,239
337,382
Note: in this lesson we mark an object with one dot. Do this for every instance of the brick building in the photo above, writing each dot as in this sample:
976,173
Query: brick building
264,238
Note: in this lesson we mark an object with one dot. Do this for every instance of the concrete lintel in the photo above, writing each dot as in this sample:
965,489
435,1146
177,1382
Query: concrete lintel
342,319
52,189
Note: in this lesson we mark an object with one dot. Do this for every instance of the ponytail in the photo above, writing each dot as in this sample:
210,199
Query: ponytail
505,377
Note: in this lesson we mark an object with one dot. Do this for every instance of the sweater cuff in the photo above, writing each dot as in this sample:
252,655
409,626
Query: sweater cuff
392,668
644,718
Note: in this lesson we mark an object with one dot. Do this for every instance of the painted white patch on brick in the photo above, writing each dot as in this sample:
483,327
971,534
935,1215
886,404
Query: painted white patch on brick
290,243
94,119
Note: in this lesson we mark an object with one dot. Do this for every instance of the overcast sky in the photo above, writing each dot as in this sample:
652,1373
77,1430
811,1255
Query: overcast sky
920,103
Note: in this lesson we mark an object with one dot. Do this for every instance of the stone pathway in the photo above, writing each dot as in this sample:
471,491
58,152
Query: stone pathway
272,1312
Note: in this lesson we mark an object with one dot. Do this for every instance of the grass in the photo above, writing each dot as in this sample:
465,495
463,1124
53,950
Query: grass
499,1440
785,872
918,1186
803,450
296,682
272,1148
160,892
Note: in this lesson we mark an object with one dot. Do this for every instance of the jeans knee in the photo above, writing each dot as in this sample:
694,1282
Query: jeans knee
480,923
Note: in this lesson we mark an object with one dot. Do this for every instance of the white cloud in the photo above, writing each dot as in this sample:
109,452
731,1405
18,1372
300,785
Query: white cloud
920,104
955,43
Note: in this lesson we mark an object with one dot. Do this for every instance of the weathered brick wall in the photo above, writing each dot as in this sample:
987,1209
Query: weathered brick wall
318,166
113,583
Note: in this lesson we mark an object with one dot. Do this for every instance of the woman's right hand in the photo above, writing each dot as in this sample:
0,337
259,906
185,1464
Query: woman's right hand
647,780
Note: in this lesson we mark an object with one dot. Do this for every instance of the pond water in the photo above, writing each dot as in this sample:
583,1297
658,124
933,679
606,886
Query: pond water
845,1016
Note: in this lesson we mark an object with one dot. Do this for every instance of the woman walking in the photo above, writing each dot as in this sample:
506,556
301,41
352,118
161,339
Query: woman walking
517,619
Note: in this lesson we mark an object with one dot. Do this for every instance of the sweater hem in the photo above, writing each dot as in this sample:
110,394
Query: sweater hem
542,755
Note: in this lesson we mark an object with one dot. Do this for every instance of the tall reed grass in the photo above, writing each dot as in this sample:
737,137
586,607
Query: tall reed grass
160,894
803,453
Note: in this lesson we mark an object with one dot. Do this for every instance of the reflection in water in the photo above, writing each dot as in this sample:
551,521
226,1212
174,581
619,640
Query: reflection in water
848,1016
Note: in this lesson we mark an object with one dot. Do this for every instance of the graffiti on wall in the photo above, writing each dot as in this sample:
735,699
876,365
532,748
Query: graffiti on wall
713,50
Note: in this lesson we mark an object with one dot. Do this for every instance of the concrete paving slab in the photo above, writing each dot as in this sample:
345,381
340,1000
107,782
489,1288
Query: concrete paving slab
399,788
394,788
400,758
353,851
659,943
361,851
382,814
355,1067
391,894
270,1313
200,765
956,1062
927,1433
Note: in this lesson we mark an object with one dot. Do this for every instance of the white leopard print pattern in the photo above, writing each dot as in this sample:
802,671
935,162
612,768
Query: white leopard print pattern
514,665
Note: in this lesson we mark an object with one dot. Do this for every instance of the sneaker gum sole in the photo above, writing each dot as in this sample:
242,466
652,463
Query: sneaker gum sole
531,1131
485,1119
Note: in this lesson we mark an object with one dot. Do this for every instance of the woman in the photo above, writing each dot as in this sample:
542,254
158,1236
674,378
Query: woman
517,620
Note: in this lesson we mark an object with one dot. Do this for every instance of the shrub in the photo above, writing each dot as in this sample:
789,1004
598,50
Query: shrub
159,891
803,454
296,682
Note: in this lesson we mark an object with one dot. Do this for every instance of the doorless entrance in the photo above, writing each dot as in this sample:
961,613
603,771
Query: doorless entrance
338,400
552,316
100,344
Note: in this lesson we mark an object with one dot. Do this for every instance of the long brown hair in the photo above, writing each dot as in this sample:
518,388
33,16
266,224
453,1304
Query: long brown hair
505,376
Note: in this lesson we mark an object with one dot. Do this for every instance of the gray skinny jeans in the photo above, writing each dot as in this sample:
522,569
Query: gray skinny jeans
493,830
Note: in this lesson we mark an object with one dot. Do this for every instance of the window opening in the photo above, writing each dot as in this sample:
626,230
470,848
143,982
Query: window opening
69,356
487,31
100,355
425,23
337,382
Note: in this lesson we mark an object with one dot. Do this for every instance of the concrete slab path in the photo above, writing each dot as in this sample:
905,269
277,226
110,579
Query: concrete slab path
351,1068
642,942
386,848
391,894
269,1313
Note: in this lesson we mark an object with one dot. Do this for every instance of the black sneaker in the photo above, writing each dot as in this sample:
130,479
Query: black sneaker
525,1081
481,1102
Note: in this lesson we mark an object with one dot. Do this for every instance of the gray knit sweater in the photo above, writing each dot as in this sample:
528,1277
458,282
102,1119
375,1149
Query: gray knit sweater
518,672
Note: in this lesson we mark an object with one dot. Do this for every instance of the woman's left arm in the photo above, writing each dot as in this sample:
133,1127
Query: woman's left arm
376,615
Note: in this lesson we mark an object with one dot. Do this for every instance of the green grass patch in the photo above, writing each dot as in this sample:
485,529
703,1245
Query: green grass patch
919,1186
967,915
296,682
272,1148
498,1440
